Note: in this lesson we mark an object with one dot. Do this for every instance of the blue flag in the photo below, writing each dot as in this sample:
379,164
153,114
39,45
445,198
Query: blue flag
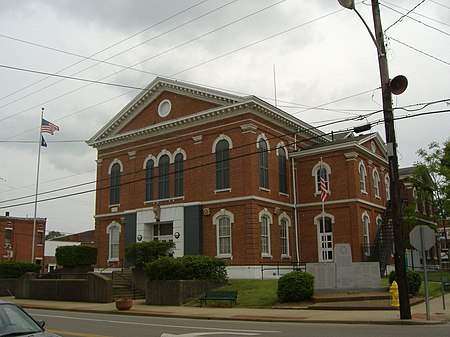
43,142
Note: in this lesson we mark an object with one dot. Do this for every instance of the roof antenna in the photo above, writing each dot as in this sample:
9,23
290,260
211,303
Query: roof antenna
275,85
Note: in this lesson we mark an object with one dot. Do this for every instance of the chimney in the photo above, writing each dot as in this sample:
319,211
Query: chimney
6,213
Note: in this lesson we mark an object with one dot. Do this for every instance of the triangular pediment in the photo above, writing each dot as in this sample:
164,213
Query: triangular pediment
167,105
374,144
163,100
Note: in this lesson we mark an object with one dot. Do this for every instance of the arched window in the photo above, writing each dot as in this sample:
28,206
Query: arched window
366,239
163,177
362,177
263,163
149,179
113,232
324,170
223,221
284,235
222,165
376,183
282,170
387,185
178,175
114,187
265,219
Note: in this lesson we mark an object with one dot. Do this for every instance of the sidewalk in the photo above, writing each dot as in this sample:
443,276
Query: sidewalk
418,311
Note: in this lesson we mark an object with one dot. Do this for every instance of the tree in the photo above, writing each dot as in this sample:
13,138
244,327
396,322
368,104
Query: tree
53,234
435,163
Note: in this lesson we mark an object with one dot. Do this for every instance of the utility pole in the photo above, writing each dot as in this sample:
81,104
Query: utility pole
399,255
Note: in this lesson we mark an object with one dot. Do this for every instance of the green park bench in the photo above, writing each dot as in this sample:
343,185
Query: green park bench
219,296
446,282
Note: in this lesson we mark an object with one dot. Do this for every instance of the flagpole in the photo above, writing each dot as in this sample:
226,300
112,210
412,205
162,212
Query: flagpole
37,187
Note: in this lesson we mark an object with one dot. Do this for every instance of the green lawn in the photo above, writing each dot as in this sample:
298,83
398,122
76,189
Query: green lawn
263,293
434,283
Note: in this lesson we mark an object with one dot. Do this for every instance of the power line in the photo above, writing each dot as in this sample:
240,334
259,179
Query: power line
154,56
84,58
404,16
202,63
419,51
213,162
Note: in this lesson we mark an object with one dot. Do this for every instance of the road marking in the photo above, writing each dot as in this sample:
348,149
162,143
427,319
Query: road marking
73,333
158,325
198,334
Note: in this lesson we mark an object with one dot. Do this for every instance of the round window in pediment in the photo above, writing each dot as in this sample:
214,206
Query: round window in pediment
164,108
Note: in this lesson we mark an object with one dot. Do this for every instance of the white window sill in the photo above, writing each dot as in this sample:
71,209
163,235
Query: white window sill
224,256
264,189
223,190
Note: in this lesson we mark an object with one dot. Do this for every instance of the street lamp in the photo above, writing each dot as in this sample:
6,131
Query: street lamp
388,87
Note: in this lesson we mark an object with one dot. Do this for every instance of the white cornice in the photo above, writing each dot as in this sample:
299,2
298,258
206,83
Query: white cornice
230,104
342,201
339,146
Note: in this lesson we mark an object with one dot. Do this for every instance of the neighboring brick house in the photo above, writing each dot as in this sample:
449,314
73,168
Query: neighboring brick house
212,172
16,236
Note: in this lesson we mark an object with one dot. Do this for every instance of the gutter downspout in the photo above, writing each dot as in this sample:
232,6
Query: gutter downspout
294,204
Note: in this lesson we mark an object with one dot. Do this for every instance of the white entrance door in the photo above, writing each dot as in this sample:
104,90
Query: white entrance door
325,240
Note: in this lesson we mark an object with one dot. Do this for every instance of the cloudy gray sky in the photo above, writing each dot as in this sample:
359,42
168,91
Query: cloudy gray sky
324,60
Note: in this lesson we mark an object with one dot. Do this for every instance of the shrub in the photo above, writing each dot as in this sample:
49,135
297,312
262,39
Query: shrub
76,255
295,286
414,281
186,268
138,254
11,269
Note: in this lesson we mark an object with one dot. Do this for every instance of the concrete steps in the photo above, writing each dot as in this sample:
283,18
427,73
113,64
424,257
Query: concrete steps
123,285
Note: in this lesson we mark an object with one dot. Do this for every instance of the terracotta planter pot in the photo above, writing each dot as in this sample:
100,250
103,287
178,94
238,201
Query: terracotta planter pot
124,304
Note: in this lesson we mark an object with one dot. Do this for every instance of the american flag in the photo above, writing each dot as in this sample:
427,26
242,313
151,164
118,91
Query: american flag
323,185
48,127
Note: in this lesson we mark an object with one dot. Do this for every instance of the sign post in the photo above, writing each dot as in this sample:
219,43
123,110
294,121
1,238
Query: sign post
423,238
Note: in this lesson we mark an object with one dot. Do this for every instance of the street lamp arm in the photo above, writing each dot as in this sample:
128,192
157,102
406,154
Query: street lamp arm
380,53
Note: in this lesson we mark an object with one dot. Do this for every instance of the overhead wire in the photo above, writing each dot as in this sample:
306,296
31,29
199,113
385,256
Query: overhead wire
90,57
199,165
132,67
200,64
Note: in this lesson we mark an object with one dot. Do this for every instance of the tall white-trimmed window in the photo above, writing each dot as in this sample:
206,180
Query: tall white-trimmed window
379,222
284,235
324,169
324,236
222,150
223,221
114,178
366,239
362,177
263,163
265,220
178,175
163,176
8,237
387,186
376,183
113,232
282,169
149,179
40,238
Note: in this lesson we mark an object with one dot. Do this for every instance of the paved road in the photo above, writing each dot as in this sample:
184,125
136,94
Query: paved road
106,325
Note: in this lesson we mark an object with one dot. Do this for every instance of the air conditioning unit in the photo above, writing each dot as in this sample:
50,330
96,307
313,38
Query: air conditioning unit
7,245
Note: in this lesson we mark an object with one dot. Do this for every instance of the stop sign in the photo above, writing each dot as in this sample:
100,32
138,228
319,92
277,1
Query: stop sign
423,234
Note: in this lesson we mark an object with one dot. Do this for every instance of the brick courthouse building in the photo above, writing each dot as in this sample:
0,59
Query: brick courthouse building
232,177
